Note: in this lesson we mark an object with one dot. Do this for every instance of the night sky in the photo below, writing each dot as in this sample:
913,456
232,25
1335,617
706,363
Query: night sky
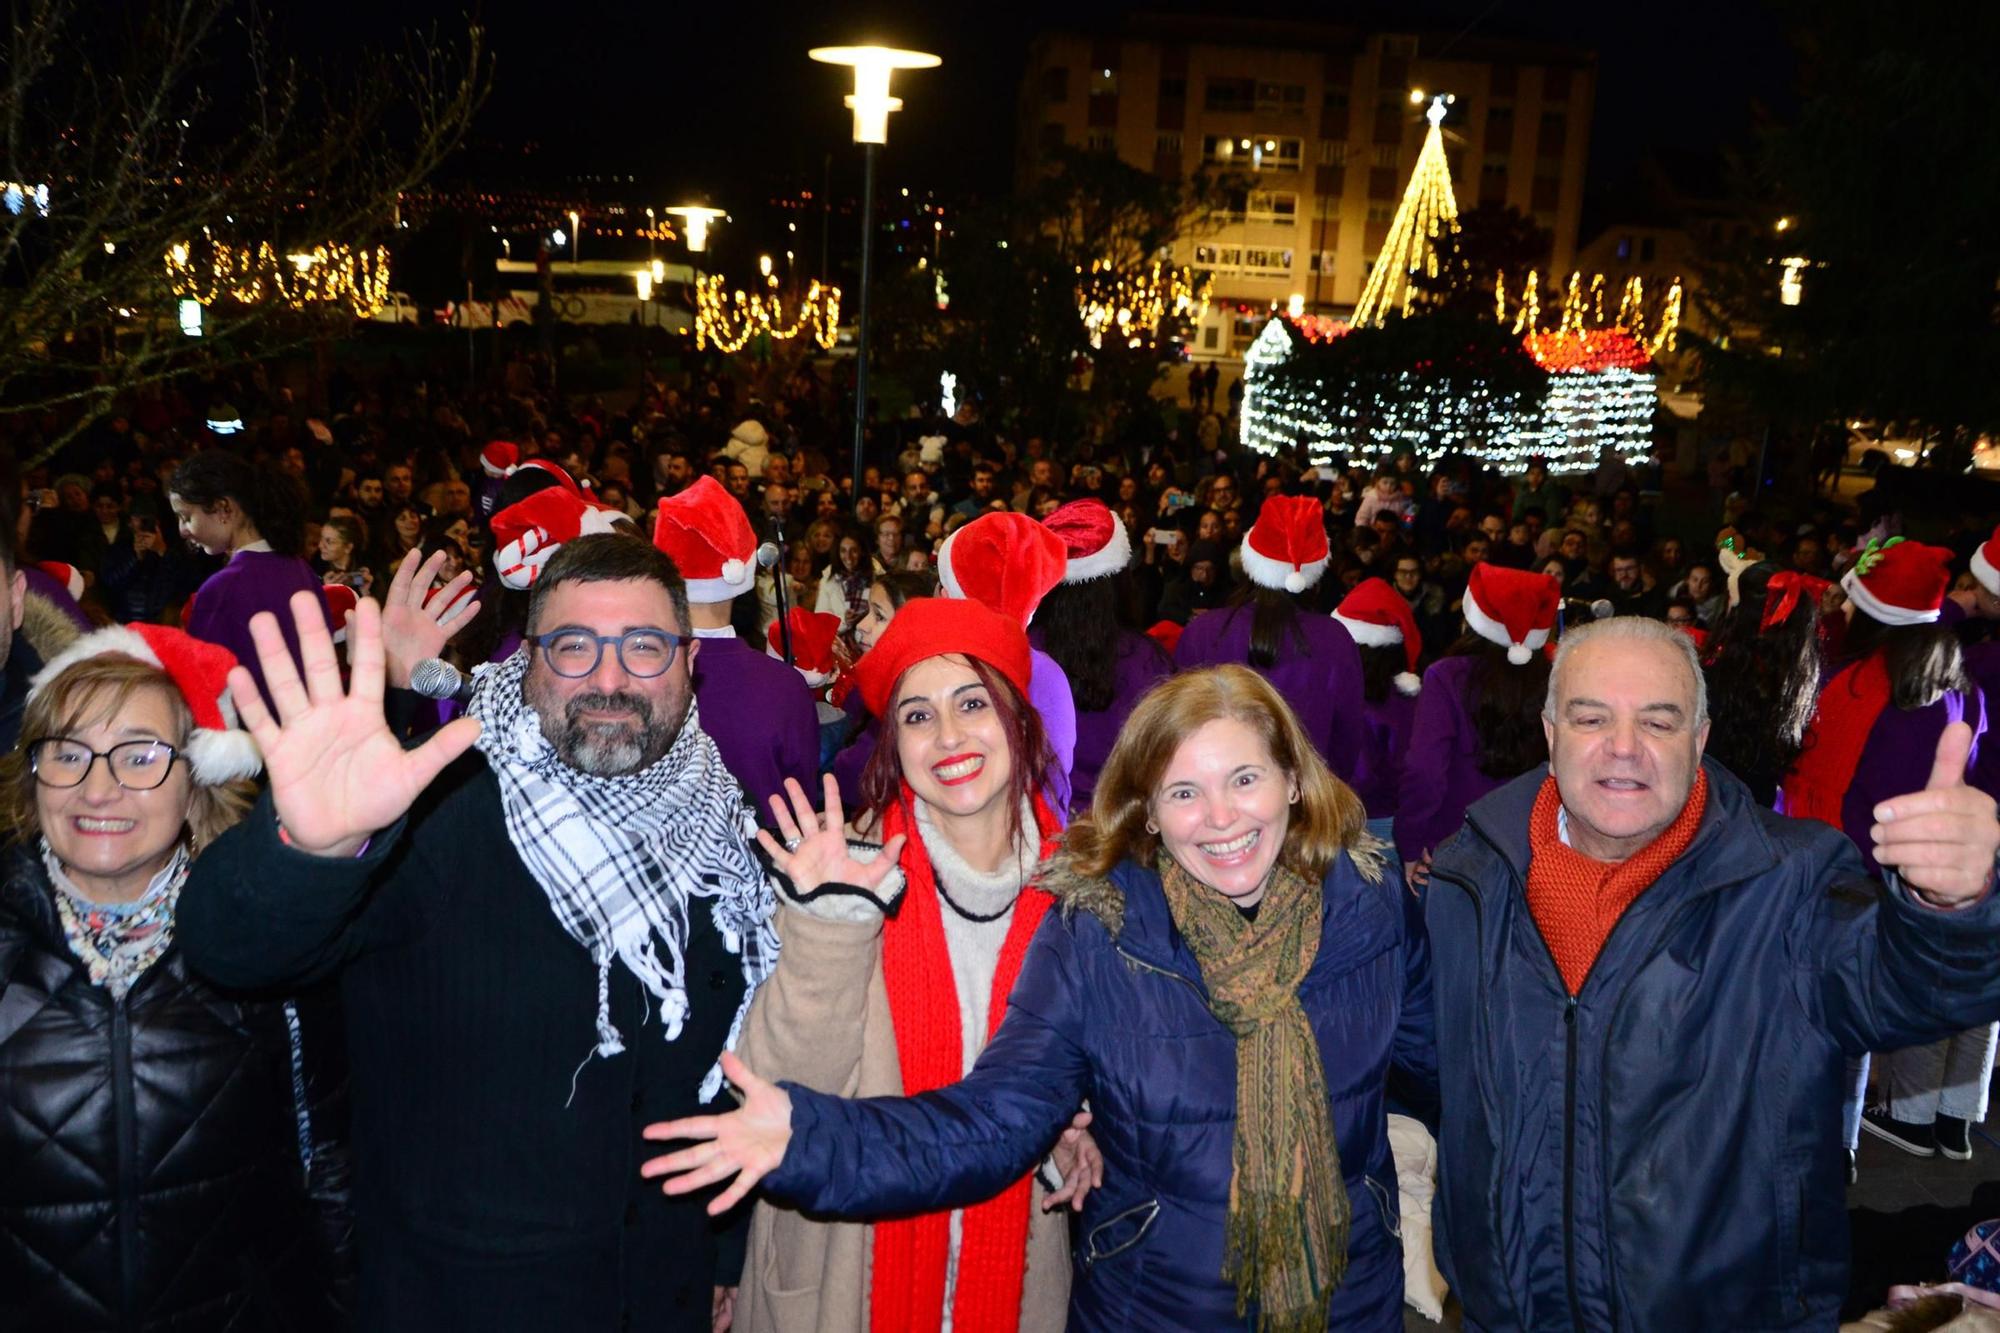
719,96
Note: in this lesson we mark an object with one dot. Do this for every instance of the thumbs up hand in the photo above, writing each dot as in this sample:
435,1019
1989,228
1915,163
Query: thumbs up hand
1942,840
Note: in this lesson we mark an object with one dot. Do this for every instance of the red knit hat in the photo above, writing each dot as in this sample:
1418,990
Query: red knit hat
69,576
930,627
1005,561
1899,582
499,458
1096,541
1511,607
1378,617
1986,564
528,532
708,535
1286,547
219,750
340,603
813,633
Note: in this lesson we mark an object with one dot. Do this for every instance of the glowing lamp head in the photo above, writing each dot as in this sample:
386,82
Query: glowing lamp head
696,219
870,100
643,279
659,270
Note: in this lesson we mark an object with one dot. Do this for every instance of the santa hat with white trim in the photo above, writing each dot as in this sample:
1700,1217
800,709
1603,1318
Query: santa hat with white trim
813,633
499,458
1511,607
218,750
1007,562
1986,564
1376,615
340,603
1096,541
528,532
69,576
709,537
1899,582
1286,548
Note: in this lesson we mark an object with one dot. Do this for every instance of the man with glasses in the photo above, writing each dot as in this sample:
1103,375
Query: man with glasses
546,922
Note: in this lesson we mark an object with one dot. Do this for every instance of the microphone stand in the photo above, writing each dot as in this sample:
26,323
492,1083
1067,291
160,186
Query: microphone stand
778,577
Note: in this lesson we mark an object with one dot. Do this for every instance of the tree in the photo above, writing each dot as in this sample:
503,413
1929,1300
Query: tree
1878,198
173,128
1491,239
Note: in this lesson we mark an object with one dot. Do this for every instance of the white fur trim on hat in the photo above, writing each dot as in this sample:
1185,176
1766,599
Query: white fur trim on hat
1282,575
1486,627
1369,634
1856,590
223,756
1408,682
111,639
1107,560
1982,569
737,576
947,576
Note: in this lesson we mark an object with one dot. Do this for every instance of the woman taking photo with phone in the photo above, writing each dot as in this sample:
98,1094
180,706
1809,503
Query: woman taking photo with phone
1229,974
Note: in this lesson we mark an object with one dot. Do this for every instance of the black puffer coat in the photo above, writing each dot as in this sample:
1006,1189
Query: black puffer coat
150,1163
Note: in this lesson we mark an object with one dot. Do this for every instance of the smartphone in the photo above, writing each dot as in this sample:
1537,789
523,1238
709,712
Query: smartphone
1162,536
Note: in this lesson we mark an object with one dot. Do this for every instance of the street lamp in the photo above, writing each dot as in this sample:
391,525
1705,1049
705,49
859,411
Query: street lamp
575,236
696,219
871,103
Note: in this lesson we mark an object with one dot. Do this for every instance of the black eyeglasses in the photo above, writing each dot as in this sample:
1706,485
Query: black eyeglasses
134,765
575,653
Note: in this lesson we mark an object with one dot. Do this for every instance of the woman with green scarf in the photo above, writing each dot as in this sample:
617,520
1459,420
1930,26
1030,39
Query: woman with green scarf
1233,970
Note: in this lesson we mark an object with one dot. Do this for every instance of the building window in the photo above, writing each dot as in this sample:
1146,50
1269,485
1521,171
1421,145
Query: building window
1381,183
1285,99
1380,211
1273,207
1385,156
1645,249
1332,153
1547,194
1210,338
1500,128
1055,84
1321,262
1173,88
1555,84
1555,128
1250,261
1495,162
1624,247
1334,98
1250,153
1230,95
1101,141
1104,82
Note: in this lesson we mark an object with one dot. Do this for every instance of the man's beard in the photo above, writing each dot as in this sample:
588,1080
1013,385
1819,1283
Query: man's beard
608,749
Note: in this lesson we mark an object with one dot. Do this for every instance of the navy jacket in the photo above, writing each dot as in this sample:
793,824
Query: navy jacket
1110,1006
1663,1151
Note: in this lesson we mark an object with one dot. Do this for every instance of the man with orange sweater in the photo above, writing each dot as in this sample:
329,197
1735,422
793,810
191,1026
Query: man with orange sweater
1646,988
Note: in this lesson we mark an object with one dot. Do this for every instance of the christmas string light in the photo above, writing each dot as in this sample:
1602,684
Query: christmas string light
332,274
1428,211
728,323
1134,306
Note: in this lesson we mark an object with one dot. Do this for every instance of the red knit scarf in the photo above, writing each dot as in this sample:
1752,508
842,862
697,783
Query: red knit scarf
1845,715
1576,899
906,1294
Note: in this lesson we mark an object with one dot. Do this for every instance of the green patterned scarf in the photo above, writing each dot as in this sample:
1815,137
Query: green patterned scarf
1288,1213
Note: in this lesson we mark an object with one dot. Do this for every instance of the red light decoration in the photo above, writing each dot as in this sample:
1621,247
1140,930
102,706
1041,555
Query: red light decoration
1587,350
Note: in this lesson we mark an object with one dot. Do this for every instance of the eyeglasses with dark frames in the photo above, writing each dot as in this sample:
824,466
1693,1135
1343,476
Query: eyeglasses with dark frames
573,652
60,762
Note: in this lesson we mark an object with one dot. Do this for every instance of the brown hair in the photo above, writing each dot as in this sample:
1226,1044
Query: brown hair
92,691
1330,818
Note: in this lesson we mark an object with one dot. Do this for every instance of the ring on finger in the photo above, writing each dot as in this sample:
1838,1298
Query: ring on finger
792,844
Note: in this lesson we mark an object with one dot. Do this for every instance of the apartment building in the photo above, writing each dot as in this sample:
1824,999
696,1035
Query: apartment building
1321,125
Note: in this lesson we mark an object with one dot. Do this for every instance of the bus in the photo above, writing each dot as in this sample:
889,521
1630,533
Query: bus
593,291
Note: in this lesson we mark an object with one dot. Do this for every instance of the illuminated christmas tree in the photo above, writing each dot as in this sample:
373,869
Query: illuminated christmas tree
1428,211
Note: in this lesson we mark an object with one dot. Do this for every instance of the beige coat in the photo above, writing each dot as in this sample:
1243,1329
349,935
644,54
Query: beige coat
822,1020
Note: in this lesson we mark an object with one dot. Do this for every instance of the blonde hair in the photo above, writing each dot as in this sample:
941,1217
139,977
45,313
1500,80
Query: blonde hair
92,691
1329,818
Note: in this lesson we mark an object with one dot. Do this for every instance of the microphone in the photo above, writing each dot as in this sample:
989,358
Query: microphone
435,678
1602,609
768,556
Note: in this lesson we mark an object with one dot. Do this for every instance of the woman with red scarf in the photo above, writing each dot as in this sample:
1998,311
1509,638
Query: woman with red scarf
869,1000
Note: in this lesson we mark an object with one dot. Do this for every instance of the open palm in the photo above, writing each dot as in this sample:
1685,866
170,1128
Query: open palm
337,772
815,851
417,625
748,1143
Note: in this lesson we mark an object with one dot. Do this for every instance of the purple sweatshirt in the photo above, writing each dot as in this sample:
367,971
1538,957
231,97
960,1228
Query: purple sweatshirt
761,716
1139,666
1385,739
1441,776
1982,663
1897,760
1049,692
1322,683
252,581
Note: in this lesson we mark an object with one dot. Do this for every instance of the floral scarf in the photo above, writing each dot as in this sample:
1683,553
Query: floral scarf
117,942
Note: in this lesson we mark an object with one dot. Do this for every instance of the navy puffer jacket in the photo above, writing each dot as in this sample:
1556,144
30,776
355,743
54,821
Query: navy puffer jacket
1664,1151
1110,1006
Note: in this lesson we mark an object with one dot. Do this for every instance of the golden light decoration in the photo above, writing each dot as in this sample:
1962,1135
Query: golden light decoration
1429,211
1583,309
728,322
1133,307
354,276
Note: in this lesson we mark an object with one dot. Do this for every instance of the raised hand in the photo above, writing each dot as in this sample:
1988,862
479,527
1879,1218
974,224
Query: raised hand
1079,1163
417,624
337,772
814,850
1942,840
747,1143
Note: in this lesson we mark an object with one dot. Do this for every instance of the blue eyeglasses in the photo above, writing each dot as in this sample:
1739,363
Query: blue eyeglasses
574,653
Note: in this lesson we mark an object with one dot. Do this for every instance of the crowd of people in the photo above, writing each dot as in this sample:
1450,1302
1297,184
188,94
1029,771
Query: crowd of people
1122,880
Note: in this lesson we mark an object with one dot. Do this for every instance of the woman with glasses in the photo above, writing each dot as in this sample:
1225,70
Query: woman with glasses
157,1135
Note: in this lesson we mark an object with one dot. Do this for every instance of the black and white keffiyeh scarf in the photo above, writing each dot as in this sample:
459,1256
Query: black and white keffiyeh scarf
622,859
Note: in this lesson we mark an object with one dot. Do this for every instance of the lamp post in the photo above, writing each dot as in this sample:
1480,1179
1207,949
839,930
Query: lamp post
575,236
871,103
696,219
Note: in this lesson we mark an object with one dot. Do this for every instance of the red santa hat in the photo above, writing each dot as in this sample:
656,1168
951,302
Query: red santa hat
1286,548
930,627
499,458
527,533
1097,543
69,576
1511,607
708,535
1007,562
1986,564
218,750
1378,617
340,603
813,633
1899,582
